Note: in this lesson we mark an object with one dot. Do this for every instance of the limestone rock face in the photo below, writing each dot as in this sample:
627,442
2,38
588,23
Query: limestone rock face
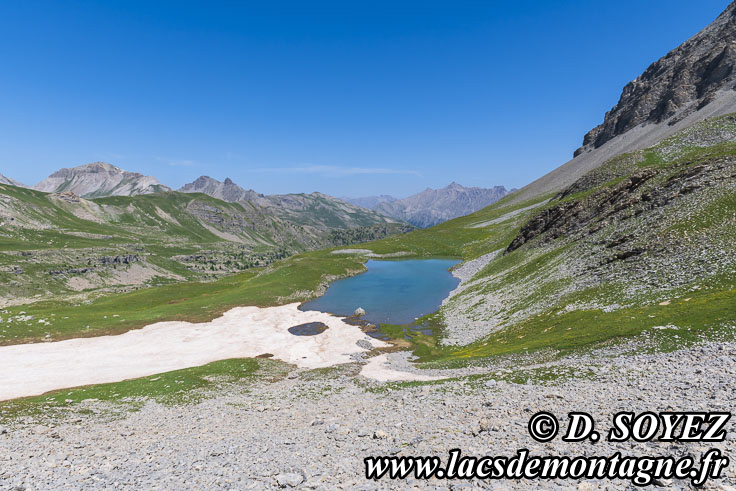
685,80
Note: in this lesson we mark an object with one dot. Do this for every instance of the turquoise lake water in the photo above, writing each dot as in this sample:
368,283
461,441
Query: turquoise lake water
391,292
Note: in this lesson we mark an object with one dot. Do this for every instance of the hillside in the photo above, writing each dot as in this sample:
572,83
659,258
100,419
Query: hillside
648,231
315,211
433,206
99,179
58,245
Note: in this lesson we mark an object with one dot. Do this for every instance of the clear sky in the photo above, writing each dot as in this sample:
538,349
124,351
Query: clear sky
348,97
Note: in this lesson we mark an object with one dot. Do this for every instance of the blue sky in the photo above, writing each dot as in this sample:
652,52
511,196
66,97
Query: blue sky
347,98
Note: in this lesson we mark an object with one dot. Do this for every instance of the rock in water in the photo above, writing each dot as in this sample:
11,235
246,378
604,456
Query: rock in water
359,311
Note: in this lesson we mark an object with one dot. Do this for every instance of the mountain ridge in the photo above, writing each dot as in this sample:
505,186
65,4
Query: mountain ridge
226,190
12,182
313,210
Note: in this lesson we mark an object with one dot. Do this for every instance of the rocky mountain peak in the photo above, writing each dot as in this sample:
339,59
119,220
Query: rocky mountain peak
226,190
100,167
91,168
684,81
99,179
202,180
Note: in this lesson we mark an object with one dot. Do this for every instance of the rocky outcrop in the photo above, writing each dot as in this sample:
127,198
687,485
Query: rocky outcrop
67,197
433,206
682,82
100,179
628,198
94,262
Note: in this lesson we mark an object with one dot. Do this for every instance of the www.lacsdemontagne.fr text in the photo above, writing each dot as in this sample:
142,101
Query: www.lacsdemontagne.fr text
640,471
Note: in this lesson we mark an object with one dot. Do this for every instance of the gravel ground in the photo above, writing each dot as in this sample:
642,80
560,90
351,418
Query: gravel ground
312,429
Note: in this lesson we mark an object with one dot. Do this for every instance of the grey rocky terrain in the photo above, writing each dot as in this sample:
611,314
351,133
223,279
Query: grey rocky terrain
311,429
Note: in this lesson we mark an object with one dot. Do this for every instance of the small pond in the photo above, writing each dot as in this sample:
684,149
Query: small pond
391,292
308,329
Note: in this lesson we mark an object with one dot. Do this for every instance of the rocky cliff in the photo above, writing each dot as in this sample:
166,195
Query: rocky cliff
685,80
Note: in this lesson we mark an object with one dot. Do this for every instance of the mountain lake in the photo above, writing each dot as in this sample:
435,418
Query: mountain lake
391,292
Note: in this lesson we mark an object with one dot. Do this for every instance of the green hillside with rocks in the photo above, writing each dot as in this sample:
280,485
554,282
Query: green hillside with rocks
59,245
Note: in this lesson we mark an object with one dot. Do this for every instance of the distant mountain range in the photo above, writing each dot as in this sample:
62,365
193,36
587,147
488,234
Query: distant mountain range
317,211
126,242
433,206
294,221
